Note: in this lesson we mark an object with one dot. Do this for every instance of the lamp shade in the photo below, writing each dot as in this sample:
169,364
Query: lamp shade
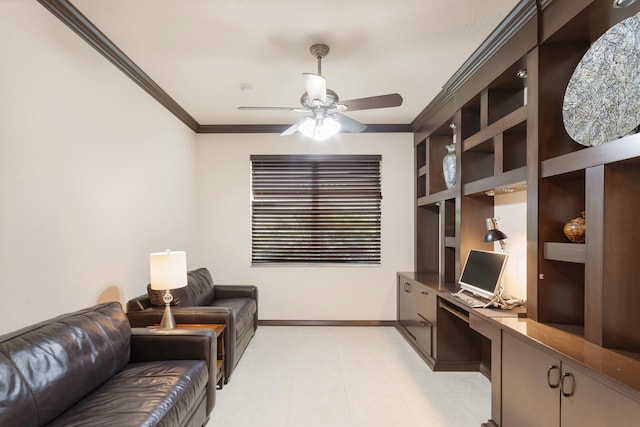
168,270
494,236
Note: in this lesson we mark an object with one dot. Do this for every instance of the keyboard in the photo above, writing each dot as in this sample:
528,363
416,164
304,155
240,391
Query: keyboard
470,299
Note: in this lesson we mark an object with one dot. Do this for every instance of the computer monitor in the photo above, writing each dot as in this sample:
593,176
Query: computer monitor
482,272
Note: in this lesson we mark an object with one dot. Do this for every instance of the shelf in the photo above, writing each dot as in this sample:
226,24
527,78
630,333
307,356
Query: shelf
614,151
566,252
514,178
507,122
437,197
422,171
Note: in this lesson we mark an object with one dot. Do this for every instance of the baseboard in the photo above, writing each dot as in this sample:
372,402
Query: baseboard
327,323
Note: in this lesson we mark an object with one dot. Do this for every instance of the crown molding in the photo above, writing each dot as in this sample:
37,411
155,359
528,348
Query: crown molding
373,128
80,24
521,14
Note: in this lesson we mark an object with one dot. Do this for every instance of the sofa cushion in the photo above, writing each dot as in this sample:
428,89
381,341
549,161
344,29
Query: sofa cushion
59,361
198,292
142,394
244,310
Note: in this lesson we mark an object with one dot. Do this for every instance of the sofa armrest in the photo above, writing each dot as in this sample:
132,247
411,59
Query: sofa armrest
238,291
235,291
154,344
191,315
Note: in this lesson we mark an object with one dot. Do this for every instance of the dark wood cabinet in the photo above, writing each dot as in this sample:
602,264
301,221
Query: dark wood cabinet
527,398
417,313
541,389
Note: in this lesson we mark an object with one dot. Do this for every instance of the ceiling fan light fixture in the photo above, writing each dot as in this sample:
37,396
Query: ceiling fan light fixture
319,129
325,108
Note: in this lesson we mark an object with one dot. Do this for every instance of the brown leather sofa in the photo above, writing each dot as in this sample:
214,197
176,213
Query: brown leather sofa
90,368
203,302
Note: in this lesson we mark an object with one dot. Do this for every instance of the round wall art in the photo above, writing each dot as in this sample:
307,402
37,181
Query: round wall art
602,100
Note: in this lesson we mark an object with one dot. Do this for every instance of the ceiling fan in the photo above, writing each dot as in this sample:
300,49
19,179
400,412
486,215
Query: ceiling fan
325,108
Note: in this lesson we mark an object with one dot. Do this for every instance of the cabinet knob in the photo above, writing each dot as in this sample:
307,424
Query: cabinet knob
407,287
556,383
566,391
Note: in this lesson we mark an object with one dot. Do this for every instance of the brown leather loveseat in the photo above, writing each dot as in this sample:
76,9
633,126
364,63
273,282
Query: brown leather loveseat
90,369
203,302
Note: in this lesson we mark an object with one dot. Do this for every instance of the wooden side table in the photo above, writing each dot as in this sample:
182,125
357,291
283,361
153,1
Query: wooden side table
218,328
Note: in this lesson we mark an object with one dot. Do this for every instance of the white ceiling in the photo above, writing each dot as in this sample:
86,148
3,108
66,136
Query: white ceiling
201,51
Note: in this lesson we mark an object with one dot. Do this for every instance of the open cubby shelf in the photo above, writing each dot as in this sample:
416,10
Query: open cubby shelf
565,252
510,120
437,197
615,151
515,179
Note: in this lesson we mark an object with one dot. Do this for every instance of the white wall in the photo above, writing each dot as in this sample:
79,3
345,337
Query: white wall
511,208
94,173
303,293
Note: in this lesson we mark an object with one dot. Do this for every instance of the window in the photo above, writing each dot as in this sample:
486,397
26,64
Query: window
315,209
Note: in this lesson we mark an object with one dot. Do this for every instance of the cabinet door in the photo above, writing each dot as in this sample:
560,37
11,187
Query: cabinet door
588,402
426,312
407,303
414,312
528,380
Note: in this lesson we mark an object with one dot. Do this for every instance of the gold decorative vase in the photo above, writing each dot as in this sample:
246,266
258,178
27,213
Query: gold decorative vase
576,229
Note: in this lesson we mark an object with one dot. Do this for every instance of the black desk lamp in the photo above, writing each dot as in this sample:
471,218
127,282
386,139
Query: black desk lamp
493,234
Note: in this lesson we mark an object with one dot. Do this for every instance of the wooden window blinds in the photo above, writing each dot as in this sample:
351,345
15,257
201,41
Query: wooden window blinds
315,209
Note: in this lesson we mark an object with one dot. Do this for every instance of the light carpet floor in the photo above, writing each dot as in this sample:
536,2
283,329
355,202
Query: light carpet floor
345,377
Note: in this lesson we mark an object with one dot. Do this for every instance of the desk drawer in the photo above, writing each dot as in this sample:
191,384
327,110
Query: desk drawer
422,330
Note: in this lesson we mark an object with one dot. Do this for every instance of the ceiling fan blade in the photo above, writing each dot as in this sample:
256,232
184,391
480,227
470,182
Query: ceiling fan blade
316,86
348,124
382,101
294,127
270,108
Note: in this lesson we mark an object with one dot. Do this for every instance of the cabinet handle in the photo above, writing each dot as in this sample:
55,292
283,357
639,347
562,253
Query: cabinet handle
407,287
557,383
566,393
425,293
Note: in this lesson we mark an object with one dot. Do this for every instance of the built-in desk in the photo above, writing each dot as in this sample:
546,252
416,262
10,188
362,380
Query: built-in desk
564,377
437,324
449,334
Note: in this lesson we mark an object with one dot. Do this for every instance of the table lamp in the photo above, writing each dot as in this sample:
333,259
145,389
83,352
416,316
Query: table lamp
168,270
493,234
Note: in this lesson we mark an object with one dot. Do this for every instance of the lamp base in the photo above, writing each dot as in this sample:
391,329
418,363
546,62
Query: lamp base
167,322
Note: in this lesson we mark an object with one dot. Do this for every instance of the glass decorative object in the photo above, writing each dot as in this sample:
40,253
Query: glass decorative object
449,166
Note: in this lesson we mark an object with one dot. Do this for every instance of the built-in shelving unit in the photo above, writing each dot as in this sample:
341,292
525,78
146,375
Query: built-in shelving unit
506,106
591,286
510,136
436,241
